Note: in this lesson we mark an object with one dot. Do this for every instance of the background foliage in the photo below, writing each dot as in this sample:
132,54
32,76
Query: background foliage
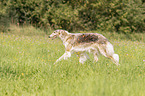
110,15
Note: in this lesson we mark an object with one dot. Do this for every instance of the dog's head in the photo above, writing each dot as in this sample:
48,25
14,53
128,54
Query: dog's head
58,33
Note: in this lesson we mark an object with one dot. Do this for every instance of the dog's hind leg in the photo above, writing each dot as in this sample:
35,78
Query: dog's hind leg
95,57
108,51
95,53
83,57
65,56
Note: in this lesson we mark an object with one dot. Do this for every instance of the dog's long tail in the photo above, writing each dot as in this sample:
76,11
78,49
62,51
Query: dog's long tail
110,53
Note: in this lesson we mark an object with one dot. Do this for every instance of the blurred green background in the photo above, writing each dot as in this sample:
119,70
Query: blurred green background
125,16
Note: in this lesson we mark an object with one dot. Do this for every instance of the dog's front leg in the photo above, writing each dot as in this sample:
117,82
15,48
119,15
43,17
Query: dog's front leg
64,56
83,57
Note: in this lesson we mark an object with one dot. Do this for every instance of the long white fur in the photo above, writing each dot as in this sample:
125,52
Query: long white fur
105,49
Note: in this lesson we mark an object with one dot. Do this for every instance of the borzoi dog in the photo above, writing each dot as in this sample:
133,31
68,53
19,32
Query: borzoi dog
85,42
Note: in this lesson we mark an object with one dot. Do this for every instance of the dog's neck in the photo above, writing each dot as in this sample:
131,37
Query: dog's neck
64,35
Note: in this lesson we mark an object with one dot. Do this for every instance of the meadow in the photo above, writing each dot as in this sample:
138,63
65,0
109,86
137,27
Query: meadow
26,66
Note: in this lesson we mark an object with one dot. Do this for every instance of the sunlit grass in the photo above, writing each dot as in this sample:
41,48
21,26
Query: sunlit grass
27,69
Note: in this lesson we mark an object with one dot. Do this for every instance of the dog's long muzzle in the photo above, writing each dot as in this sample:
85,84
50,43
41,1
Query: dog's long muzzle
52,37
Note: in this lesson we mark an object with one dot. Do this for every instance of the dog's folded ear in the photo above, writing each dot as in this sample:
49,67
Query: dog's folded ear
64,33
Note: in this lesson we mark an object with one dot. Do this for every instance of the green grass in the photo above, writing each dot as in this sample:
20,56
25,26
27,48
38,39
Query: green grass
26,67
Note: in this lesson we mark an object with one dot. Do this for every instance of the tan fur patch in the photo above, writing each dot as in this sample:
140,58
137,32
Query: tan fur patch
86,38
91,38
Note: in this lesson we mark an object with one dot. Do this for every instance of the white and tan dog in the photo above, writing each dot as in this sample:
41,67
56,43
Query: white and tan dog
85,42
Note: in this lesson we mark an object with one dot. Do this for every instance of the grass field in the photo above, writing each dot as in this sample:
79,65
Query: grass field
26,67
